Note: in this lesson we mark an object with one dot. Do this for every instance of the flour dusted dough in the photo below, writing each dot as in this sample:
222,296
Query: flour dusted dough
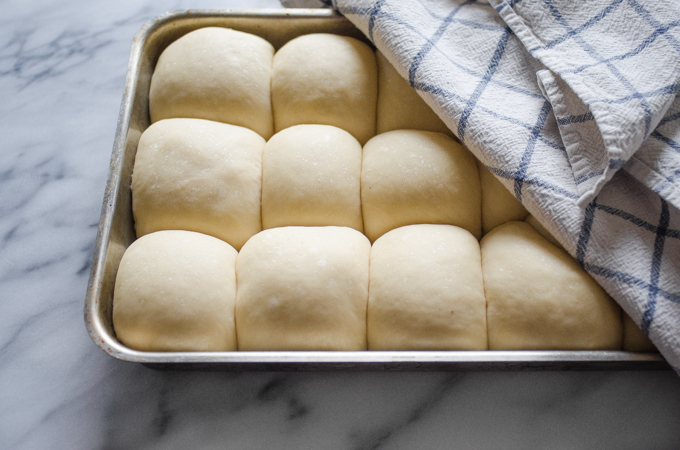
312,176
498,204
175,291
325,79
410,177
538,297
303,288
399,105
426,290
198,175
216,74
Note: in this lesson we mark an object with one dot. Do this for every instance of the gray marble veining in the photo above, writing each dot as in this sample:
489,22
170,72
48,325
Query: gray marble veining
62,66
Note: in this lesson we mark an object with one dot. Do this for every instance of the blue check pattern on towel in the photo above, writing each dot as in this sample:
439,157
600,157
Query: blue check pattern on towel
575,107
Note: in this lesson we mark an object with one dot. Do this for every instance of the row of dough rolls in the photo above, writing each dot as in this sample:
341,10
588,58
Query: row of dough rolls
418,287
226,181
237,78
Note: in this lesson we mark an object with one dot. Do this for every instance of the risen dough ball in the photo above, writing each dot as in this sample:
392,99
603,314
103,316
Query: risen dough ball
325,79
312,176
175,291
634,340
198,175
216,74
410,177
399,105
498,204
303,288
426,290
539,298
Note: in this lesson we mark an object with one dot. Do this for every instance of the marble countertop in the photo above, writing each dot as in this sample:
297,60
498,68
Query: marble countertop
62,68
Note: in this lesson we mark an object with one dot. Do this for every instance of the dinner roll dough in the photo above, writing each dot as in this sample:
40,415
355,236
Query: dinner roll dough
399,105
216,74
498,204
303,288
325,79
175,291
634,340
539,298
410,177
312,176
426,290
198,175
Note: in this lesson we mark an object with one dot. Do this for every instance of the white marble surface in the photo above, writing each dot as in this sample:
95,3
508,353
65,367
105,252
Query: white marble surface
62,67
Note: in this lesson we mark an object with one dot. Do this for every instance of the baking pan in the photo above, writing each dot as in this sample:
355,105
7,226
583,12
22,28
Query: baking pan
116,227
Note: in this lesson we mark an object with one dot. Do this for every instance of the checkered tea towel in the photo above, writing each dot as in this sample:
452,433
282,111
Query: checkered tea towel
574,106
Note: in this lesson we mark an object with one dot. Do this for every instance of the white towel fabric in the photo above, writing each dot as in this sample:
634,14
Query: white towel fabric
574,106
